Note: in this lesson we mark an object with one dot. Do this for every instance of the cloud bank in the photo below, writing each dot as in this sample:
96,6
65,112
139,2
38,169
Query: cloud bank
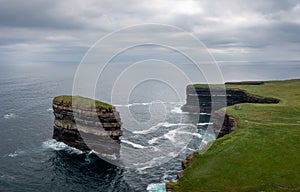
58,31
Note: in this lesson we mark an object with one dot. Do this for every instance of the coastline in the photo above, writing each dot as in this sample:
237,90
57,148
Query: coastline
182,183
230,124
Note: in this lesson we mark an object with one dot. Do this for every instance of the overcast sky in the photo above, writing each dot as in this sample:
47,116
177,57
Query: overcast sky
62,31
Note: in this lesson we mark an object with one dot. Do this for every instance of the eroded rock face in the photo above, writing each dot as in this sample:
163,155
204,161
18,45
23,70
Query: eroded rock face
86,126
227,126
202,99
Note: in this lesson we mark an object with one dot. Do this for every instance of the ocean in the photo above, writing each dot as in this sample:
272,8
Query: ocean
31,161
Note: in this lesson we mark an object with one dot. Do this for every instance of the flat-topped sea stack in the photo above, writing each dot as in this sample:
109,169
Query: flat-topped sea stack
201,97
87,124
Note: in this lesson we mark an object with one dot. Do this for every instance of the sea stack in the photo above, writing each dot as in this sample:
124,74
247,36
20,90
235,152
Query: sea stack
87,124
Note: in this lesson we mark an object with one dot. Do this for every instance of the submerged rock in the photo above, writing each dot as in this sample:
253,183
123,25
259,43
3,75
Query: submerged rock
87,124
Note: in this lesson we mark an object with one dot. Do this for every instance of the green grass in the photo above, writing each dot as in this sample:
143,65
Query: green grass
262,154
81,101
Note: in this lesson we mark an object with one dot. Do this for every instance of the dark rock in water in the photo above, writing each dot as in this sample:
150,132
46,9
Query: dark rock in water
87,124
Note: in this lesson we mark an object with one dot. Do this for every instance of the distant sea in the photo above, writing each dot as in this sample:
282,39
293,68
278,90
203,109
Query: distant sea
31,161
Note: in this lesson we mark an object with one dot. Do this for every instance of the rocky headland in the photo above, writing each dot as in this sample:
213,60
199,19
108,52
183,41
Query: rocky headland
201,98
86,124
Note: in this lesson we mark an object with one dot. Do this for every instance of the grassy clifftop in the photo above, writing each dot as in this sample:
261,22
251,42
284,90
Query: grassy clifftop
262,154
82,101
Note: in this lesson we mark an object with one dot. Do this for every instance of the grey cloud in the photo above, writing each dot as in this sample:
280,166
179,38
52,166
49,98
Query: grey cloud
287,31
221,25
30,14
64,15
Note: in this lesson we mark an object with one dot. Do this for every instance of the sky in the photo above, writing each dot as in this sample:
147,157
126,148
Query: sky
35,31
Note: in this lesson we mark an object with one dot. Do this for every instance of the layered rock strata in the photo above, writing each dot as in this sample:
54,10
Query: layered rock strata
86,124
199,99
202,99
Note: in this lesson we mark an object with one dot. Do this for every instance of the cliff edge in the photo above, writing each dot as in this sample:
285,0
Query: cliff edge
201,98
253,157
86,124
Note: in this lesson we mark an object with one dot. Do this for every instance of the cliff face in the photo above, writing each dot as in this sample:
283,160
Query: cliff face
201,99
87,124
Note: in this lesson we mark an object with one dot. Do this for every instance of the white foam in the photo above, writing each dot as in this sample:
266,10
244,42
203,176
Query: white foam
170,135
204,123
167,124
133,144
190,149
204,113
173,154
16,153
13,154
137,104
150,103
178,110
153,140
57,146
159,125
50,109
198,113
156,187
177,103
197,135
111,157
151,129
132,104
9,116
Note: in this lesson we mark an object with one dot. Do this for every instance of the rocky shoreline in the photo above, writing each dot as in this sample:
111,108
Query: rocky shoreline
229,125
198,101
86,125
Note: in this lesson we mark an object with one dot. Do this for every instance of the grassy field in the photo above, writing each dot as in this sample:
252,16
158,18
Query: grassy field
82,101
262,154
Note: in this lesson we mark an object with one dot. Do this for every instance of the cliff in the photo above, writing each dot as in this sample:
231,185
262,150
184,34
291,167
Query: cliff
256,150
201,97
86,124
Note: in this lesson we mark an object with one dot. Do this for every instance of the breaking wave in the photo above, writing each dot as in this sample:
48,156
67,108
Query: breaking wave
157,126
9,116
135,145
58,146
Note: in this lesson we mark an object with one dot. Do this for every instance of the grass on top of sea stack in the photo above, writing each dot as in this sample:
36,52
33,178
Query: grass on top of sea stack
82,101
262,154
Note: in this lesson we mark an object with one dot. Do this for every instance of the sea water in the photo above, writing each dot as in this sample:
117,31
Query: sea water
31,161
